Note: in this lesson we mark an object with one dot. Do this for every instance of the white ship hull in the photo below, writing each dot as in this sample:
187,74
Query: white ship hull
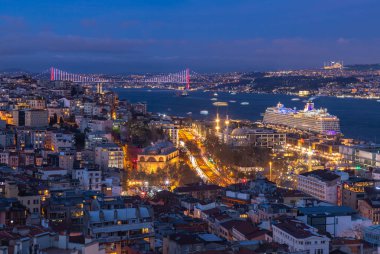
318,121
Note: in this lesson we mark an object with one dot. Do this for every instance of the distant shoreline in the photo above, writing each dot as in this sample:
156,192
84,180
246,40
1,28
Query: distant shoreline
244,92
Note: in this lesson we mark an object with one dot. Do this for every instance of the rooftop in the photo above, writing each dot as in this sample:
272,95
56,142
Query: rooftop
374,203
210,238
187,239
163,147
108,145
323,175
297,229
327,210
245,131
373,229
118,214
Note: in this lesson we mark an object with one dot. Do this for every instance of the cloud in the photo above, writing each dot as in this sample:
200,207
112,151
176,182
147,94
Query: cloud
47,42
343,41
165,58
16,22
129,23
110,54
88,23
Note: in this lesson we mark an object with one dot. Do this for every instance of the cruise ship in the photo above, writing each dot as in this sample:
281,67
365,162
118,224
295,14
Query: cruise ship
309,119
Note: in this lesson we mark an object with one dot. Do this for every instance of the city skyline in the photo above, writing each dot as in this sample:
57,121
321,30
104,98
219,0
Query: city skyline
164,36
178,127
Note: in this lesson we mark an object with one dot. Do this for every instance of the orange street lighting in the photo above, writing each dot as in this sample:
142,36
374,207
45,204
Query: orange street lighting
270,171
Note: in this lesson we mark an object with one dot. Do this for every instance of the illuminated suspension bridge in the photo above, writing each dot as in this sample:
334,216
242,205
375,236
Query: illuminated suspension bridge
182,77
54,74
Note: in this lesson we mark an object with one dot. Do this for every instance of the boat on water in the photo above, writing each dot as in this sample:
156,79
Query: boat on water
296,99
184,93
232,101
215,94
214,99
233,93
204,112
244,103
220,103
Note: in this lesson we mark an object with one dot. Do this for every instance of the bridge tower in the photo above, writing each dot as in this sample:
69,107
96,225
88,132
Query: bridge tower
187,79
51,73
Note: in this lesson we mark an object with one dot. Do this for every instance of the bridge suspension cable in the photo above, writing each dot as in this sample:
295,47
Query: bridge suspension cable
57,74
181,77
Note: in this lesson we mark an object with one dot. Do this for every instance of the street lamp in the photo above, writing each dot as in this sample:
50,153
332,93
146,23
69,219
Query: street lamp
270,171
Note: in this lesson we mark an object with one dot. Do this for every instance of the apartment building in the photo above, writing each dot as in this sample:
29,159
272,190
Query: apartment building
321,184
109,155
114,229
300,237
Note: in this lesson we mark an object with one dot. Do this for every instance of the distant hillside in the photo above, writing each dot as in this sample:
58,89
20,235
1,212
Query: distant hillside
363,67
14,71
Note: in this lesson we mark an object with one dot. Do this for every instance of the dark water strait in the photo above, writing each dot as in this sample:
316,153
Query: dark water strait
359,118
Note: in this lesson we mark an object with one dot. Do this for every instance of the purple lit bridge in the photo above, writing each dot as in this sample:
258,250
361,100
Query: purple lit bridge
181,77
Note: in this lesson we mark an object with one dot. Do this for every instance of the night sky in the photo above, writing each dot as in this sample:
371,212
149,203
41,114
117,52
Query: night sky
207,36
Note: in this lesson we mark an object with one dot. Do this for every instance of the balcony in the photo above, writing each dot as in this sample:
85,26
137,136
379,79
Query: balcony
123,227
111,239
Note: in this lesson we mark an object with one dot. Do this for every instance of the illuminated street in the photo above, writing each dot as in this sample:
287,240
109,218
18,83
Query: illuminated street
205,169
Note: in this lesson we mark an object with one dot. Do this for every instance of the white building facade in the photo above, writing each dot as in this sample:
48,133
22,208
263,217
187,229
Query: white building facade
300,238
321,184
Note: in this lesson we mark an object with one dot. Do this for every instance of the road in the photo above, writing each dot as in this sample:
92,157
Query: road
206,169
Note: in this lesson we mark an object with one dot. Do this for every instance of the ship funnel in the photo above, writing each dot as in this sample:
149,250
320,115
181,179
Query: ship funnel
309,106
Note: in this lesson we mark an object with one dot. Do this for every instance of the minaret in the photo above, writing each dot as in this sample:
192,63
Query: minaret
227,131
217,121
227,122
99,88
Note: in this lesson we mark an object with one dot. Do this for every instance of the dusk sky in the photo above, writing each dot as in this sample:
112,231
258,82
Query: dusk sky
206,36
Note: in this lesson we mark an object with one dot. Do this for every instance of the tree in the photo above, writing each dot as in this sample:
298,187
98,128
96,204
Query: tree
140,134
53,120
193,147
237,156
